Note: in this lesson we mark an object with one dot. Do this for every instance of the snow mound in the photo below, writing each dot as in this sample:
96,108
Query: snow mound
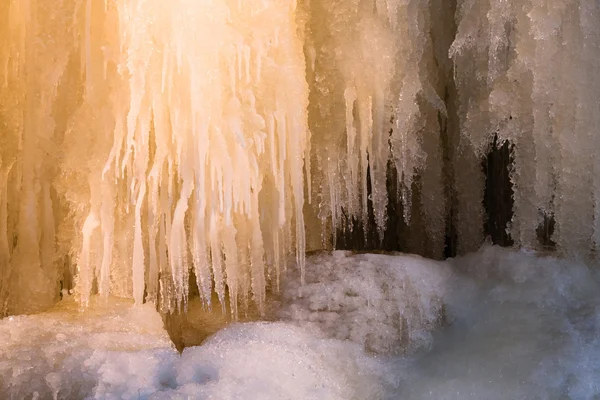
386,303
111,351
524,326
265,360
116,351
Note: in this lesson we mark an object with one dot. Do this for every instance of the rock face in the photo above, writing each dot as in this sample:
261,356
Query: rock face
192,326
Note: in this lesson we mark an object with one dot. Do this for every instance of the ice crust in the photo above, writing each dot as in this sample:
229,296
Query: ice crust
388,304
120,352
520,325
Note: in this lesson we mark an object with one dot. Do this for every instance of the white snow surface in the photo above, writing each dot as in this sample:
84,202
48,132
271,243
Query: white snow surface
120,351
110,351
515,325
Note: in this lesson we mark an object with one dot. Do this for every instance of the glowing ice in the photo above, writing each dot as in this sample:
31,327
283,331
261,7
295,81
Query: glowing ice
146,137
142,140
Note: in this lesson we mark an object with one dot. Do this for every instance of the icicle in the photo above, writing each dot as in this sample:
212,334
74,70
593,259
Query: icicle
153,137
85,270
107,223
5,249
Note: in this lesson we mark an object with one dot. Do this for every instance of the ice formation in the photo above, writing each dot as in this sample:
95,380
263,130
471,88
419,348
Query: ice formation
374,101
526,71
150,138
143,140
389,304
521,325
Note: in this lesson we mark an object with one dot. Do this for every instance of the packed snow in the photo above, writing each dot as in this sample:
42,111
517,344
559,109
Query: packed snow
497,324
110,351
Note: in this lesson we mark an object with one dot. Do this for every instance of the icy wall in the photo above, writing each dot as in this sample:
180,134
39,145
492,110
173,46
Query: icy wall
145,138
141,140
528,71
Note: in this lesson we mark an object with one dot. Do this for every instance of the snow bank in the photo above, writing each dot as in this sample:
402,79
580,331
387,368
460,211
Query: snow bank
388,304
518,325
264,360
110,351
122,352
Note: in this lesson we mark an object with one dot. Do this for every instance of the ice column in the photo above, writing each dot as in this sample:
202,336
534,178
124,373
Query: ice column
373,102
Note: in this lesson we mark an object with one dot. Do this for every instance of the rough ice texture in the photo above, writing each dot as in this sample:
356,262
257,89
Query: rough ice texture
141,140
111,351
527,71
520,325
388,304
117,351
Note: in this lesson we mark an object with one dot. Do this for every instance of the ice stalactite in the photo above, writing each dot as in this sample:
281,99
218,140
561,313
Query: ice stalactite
143,142
181,117
534,85
190,146
373,102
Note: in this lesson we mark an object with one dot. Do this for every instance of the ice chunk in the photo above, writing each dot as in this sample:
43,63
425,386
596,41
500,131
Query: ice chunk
388,304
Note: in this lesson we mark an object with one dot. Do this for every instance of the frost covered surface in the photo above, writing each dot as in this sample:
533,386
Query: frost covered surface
110,351
385,303
120,352
521,325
